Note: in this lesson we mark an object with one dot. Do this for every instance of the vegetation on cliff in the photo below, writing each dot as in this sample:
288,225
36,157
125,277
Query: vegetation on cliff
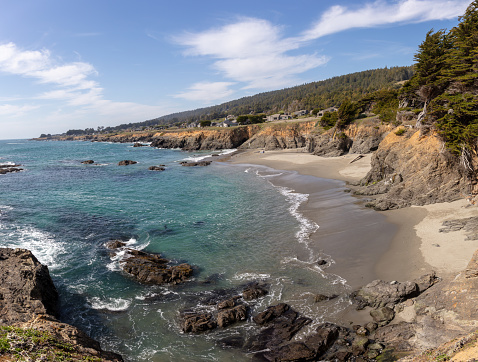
446,84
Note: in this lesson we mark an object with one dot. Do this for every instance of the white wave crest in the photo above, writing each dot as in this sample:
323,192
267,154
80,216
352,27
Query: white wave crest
111,304
250,276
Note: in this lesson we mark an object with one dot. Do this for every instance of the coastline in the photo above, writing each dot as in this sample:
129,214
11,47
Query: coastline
411,250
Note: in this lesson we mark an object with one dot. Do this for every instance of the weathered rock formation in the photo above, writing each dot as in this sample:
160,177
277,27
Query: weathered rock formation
28,306
4,169
156,168
126,162
192,164
149,268
414,170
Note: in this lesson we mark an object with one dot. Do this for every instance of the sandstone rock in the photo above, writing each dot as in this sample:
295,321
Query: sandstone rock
471,270
383,315
380,293
426,281
126,162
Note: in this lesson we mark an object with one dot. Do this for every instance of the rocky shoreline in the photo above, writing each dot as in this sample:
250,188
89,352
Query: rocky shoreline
29,328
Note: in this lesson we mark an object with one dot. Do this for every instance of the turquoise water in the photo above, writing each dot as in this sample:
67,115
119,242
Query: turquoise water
230,222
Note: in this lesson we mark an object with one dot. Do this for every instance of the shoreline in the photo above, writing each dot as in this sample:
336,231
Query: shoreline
411,251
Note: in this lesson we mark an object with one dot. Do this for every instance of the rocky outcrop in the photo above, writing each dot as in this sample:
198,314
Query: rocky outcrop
88,162
28,310
192,164
126,163
149,268
193,140
354,139
26,288
156,168
4,169
410,169
280,136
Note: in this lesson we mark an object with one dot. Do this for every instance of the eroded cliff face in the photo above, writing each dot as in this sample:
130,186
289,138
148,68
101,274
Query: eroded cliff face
29,329
280,136
197,139
410,169
355,139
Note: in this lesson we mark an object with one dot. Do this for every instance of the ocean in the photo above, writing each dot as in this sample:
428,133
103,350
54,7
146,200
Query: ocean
235,223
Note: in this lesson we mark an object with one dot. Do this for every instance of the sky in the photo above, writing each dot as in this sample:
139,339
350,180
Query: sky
79,64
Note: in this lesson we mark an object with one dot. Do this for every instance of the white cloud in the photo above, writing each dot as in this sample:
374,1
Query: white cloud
14,110
339,18
67,84
251,51
207,91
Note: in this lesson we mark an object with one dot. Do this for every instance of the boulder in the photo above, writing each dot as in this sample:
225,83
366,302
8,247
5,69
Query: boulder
200,322
148,268
271,313
126,163
137,144
199,163
156,168
382,316
5,170
254,291
380,293
229,316
88,162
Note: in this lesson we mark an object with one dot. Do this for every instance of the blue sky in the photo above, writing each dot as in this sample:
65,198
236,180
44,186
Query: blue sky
78,64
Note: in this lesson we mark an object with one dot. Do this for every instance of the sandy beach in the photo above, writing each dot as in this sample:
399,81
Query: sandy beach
415,246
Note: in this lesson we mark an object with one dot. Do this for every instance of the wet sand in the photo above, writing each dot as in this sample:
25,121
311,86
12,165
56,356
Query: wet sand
365,244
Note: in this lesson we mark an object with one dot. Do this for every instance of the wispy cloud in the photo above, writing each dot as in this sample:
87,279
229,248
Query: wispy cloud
339,18
71,83
251,51
207,91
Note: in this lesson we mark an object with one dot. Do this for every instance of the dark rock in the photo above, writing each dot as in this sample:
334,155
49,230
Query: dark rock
88,162
230,316
137,144
156,168
382,315
5,170
254,291
280,329
326,334
151,268
379,293
329,146
228,303
320,297
271,313
231,342
198,323
295,351
321,262
114,244
29,301
25,286
126,163
199,163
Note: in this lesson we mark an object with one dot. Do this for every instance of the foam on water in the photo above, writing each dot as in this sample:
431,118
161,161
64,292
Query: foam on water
111,304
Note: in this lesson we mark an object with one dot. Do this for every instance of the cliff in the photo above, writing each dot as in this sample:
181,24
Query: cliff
29,329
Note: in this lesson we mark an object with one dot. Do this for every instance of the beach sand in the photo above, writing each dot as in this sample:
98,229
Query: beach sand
411,249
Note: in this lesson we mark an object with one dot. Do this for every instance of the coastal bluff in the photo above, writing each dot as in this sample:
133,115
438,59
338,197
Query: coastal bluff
29,328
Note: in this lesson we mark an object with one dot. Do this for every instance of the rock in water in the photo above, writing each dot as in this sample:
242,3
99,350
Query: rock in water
126,163
88,162
26,289
149,268
156,168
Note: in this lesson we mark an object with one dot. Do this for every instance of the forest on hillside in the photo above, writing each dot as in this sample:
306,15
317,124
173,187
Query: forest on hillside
322,94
